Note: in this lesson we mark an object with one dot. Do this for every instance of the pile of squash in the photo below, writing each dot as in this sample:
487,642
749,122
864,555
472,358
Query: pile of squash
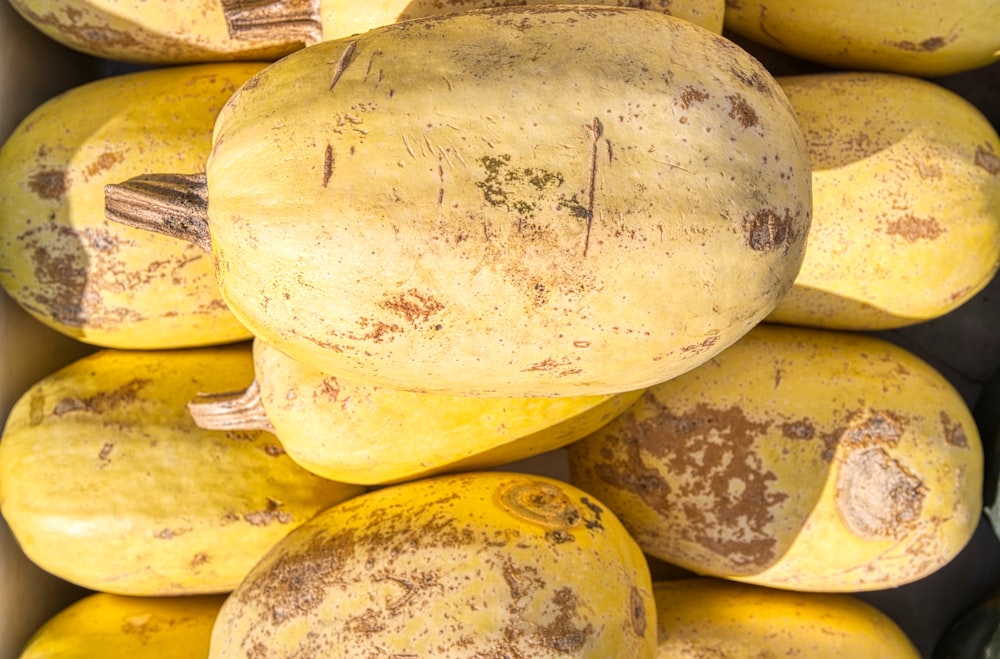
349,269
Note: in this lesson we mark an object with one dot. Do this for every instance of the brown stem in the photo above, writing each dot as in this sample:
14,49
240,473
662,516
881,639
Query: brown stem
234,410
284,21
172,204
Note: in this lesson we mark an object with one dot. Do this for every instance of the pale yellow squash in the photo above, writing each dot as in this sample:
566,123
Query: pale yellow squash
917,38
106,482
906,201
502,202
482,564
185,31
95,280
703,617
798,458
356,433
122,627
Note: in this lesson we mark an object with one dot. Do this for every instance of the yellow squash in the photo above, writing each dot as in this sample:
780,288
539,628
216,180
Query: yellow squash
522,202
122,627
906,201
482,564
918,38
184,31
702,617
798,458
62,260
106,481
356,433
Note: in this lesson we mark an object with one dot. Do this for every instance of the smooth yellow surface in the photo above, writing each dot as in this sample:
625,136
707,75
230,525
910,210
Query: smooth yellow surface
414,208
906,201
358,433
121,627
482,564
704,617
106,482
902,36
97,281
798,458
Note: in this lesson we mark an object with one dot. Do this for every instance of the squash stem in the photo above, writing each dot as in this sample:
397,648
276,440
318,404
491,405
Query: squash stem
286,21
235,410
172,204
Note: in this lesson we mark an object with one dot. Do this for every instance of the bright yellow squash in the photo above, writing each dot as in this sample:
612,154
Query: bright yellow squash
400,209
62,260
122,627
482,564
703,617
919,38
798,458
356,433
185,31
906,201
106,481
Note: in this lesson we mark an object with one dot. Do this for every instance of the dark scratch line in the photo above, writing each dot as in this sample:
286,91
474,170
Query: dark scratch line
345,59
596,129
327,165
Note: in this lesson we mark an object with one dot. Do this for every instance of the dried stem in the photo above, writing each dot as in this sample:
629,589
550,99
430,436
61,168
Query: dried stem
284,21
172,204
235,410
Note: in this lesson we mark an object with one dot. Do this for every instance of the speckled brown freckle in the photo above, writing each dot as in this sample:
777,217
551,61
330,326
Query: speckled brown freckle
49,183
912,228
742,111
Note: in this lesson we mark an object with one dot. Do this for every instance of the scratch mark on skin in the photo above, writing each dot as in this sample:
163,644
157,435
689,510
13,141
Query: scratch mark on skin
409,149
440,197
764,30
327,165
341,66
596,130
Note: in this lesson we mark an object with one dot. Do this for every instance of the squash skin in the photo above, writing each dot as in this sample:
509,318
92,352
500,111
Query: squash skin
191,31
428,225
73,270
906,201
106,482
355,433
798,458
122,627
703,617
467,565
921,39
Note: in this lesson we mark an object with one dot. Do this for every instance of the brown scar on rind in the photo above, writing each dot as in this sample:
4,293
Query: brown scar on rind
987,159
343,62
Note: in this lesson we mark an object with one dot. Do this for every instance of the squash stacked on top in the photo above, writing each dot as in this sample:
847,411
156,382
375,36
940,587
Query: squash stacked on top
407,248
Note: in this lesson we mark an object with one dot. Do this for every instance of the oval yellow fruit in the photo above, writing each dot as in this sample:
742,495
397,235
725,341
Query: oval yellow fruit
106,481
906,201
356,433
187,31
482,564
122,627
704,617
798,458
95,280
399,209
918,38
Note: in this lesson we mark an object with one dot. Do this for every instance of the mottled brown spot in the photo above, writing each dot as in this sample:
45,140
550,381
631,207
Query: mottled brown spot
876,496
871,428
766,230
562,635
912,228
954,433
103,401
928,45
412,305
637,612
987,159
103,162
801,429
49,183
329,389
701,346
272,513
540,503
199,559
690,96
742,111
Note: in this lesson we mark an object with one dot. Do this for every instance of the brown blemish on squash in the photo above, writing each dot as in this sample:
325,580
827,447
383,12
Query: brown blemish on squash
637,612
912,228
342,63
742,111
766,230
801,429
928,45
103,162
272,513
102,401
327,164
690,96
50,184
104,455
199,559
540,503
987,159
876,496
414,306
874,427
954,433
561,635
